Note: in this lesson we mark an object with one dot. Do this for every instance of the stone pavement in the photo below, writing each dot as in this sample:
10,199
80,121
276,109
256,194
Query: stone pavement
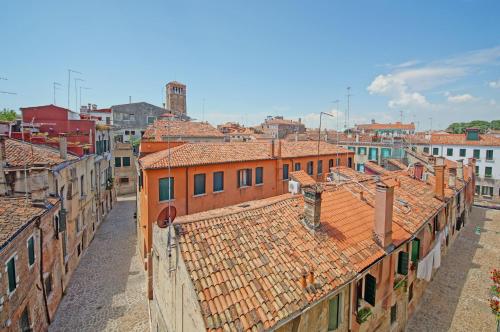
108,290
457,298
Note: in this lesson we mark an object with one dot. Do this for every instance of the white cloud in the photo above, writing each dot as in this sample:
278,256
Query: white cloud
459,98
492,102
494,84
395,87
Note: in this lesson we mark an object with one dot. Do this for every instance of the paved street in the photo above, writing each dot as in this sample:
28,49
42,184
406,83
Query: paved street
107,291
456,300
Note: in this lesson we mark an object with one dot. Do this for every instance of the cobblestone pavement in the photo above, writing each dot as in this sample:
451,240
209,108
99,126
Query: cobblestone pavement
456,299
107,291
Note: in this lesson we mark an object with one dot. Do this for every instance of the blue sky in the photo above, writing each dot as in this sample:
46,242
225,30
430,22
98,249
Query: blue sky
249,59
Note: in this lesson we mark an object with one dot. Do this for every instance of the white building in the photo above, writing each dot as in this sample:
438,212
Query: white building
485,148
103,116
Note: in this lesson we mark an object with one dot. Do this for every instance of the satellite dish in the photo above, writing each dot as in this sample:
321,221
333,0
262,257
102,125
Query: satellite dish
167,213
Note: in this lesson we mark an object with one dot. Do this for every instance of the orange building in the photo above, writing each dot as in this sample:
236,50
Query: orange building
205,176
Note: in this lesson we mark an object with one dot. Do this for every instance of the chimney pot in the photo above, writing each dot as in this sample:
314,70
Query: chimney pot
384,200
418,171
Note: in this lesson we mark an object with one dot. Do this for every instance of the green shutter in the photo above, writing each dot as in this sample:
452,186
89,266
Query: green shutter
62,220
126,161
403,263
118,162
11,271
415,250
333,313
31,251
166,189
370,289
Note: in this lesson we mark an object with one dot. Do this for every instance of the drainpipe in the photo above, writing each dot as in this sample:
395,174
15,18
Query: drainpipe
44,291
350,306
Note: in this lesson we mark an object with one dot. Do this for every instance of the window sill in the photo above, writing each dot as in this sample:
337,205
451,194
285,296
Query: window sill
167,201
244,187
11,294
218,192
200,195
285,180
259,184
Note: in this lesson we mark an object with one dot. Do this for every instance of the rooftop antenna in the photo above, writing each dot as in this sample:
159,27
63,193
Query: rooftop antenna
348,106
69,82
55,87
337,101
76,92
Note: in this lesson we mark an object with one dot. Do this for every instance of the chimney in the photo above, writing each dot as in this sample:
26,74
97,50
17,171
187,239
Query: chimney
460,169
39,185
452,177
4,188
278,152
272,148
384,200
418,171
439,185
312,205
63,146
472,166
311,277
303,279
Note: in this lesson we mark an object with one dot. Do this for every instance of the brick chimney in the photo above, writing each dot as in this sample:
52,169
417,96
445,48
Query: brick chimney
460,169
418,171
452,177
312,205
39,185
439,185
63,146
472,166
384,200
4,188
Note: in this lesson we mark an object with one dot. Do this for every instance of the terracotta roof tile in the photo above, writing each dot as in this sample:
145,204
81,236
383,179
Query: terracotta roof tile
19,153
302,177
383,126
460,139
180,129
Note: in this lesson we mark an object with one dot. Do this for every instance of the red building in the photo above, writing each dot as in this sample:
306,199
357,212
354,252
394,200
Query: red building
51,121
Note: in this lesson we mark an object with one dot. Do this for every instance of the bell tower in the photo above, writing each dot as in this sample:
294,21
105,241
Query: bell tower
176,98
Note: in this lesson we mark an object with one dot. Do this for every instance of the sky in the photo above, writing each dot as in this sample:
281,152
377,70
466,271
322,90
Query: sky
430,62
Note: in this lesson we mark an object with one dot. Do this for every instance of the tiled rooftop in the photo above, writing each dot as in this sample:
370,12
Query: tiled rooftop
246,265
375,167
19,153
182,129
382,126
302,177
460,139
191,154
15,213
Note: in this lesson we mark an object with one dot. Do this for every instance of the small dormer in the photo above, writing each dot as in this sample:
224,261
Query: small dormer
472,134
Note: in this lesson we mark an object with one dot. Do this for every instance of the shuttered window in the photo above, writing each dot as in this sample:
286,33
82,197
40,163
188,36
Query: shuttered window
244,177
166,189
11,271
297,167
31,251
320,166
259,175
218,181
330,164
126,161
403,263
334,312
118,162
285,172
199,184
62,220
310,167
415,250
370,289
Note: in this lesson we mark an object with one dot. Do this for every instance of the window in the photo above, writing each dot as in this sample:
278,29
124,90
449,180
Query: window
259,175
349,162
472,135
48,283
24,321
118,162
92,179
426,149
244,177
489,154
337,162
31,251
285,172
320,166
151,120
361,150
124,180
218,181
477,170
394,313
487,191
199,184
415,250
310,167
373,154
462,152
351,148
487,171
334,312
82,186
449,152
477,153
330,164
410,292
127,132
435,151
478,190
370,289
126,161
11,272
385,152
108,120
297,167
360,167
132,132
166,189
403,263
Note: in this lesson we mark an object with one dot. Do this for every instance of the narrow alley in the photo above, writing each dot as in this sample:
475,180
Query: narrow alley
107,291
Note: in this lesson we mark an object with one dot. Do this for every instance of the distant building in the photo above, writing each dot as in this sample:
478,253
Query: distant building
125,169
386,129
278,127
131,120
234,132
176,98
102,116
182,131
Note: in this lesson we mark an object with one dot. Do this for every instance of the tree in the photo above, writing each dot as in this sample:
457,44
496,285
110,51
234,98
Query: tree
459,127
8,115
